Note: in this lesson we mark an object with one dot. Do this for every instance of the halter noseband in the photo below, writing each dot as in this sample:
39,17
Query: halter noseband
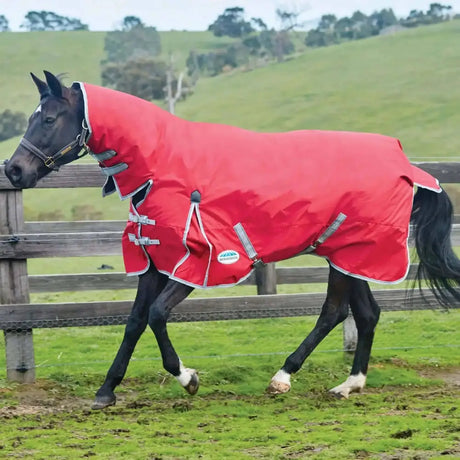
50,160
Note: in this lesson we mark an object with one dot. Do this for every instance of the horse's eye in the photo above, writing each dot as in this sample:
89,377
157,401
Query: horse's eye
50,120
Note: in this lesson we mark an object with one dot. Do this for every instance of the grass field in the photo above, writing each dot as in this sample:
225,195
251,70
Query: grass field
408,410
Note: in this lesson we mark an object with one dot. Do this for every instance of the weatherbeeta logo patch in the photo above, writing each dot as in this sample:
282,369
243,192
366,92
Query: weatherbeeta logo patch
228,257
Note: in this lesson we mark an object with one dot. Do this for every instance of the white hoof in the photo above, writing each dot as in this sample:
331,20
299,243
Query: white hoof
280,383
188,378
353,384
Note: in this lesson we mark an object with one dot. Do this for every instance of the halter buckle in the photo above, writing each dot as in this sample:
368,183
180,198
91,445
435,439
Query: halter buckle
49,162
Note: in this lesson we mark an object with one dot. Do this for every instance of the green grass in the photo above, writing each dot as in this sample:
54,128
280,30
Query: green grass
407,408
242,428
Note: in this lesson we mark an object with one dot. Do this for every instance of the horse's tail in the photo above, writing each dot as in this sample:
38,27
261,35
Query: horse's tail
439,266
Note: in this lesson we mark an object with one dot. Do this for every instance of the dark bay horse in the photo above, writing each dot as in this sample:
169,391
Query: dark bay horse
71,119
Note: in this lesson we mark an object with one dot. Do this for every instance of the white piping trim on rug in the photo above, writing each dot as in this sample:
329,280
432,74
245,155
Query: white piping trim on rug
184,239
198,286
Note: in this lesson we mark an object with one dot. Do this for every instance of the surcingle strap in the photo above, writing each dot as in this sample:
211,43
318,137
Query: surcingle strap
246,242
327,233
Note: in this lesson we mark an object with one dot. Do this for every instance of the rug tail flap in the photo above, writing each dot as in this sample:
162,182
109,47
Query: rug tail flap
425,180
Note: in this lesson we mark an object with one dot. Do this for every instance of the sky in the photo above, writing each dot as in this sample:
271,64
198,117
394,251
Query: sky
198,14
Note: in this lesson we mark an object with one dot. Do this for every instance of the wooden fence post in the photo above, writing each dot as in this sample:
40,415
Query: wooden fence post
14,288
350,335
266,279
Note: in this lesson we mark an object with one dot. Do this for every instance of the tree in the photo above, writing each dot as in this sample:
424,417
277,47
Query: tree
415,18
362,26
231,23
47,20
143,77
259,24
132,66
136,40
383,18
344,28
11,124
327,23
289,17
130,22
438,11
4,25
316,38
175,88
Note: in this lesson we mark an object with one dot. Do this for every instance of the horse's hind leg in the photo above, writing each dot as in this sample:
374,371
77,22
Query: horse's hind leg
150,285
366,313
335,310
172,294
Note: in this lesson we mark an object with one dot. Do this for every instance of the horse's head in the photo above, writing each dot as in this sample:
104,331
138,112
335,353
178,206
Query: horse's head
55,134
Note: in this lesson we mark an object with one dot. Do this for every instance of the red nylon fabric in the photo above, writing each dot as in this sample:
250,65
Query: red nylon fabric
285,189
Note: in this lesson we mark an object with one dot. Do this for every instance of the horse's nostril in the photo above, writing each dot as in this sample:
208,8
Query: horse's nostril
15,172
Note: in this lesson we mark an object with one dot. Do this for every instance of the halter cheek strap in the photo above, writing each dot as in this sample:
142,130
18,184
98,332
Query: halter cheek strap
50,160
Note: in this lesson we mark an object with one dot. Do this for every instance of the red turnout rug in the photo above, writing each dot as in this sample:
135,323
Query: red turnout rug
209,201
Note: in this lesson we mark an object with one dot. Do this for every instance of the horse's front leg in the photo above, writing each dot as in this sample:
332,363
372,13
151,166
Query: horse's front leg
172,294
150,285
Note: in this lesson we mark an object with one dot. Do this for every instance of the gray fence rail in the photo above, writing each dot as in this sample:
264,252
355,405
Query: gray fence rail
21,240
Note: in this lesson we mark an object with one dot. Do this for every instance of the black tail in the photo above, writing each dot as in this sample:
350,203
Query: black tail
439,266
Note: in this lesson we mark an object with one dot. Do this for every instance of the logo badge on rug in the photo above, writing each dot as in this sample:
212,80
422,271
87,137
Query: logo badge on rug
228,257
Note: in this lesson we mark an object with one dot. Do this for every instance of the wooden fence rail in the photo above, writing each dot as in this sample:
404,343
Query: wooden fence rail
21,240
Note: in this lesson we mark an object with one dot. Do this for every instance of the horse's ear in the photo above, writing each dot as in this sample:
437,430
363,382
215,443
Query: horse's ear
53,83
43,88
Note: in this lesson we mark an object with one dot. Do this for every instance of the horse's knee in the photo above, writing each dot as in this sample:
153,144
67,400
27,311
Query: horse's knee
157,317
332,315
342,314
135,326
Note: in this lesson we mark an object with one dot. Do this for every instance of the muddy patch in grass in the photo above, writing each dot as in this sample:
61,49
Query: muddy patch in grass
450,376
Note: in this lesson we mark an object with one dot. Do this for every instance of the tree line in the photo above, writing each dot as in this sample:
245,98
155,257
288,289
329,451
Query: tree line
45,21
332,30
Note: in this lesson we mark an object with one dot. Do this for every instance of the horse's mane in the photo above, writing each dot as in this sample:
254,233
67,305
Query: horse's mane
61,76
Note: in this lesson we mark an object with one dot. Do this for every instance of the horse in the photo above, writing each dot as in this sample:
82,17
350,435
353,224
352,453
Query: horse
208,203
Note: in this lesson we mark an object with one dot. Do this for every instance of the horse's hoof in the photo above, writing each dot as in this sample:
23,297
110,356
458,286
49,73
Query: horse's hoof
276,387
353,384
193,385
339,394
101,402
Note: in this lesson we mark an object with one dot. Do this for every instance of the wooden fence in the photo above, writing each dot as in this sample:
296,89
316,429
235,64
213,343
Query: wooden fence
21,240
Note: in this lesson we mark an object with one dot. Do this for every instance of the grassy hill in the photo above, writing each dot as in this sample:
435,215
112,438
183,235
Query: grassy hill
404,85
78,54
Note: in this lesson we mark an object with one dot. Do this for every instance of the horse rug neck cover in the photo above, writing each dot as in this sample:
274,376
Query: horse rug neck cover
210,201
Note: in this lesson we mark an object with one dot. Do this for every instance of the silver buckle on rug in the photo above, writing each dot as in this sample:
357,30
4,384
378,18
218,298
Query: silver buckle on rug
143,240
144,220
